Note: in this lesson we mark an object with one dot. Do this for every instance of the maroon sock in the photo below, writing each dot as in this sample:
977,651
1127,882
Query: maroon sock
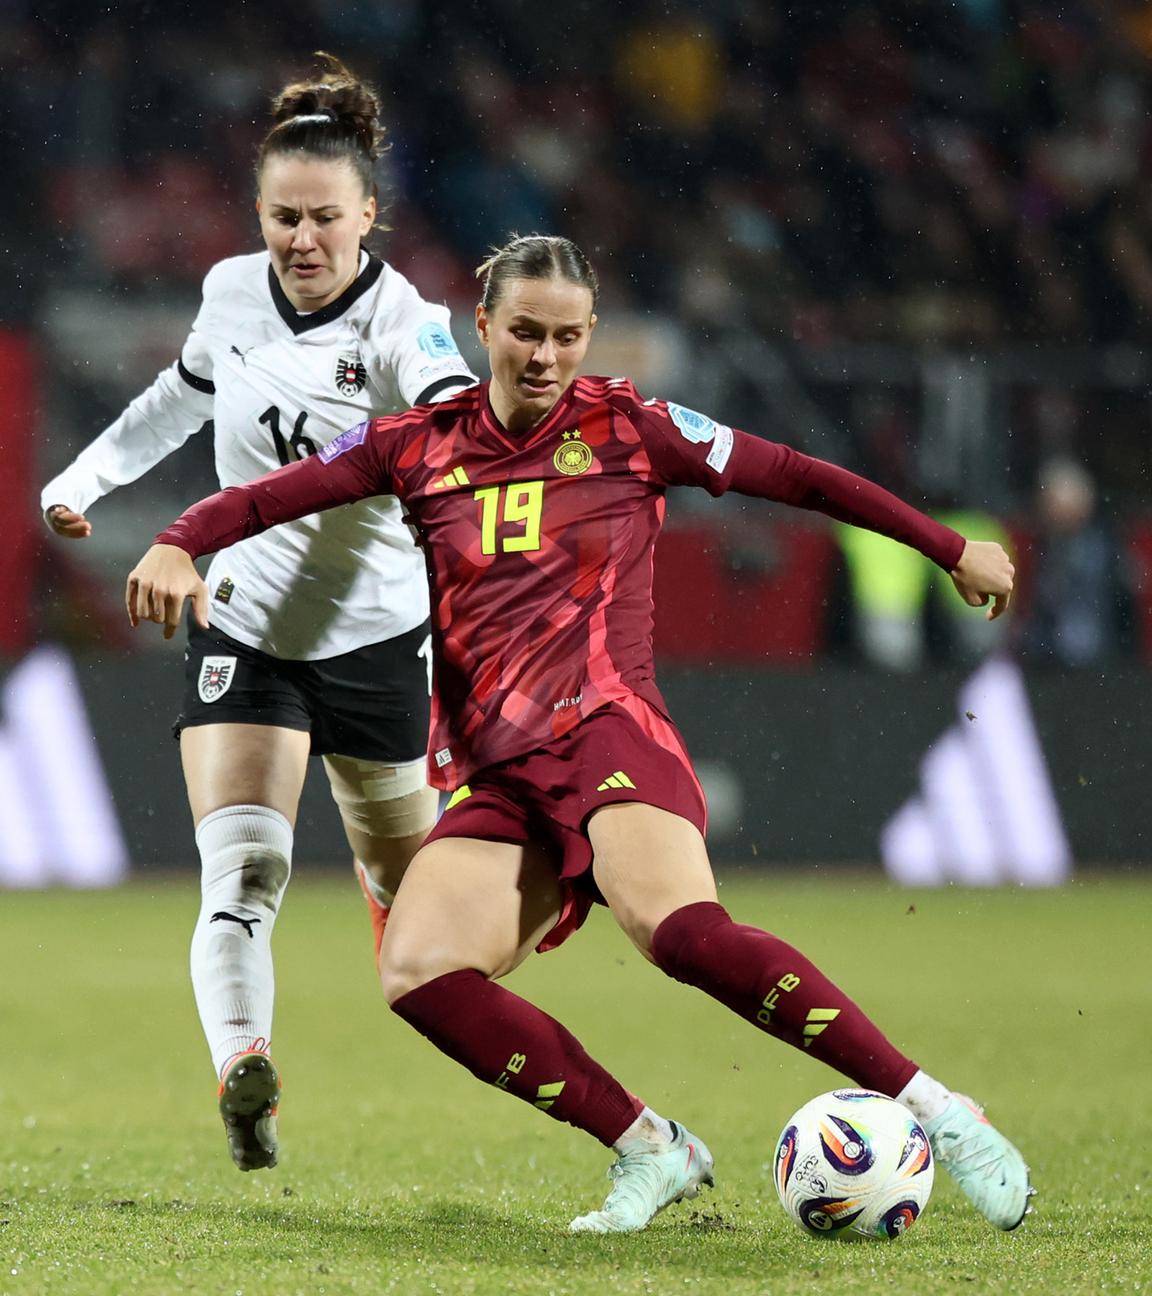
770,984
506,1041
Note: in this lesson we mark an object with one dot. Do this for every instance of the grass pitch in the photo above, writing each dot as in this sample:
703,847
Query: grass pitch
400,1173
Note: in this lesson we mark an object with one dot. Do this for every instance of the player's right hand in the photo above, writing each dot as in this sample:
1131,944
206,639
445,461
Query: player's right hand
62,520
158,586
985,572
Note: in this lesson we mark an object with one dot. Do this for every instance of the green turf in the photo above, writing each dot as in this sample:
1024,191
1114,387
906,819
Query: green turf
400,1173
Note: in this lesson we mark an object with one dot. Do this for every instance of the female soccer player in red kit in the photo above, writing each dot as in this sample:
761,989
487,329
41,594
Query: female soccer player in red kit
538,497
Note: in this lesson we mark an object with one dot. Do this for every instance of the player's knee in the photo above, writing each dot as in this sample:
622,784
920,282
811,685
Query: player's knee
386,859
264,874
405,967
246,858
679,945
637,927
666,933
416,951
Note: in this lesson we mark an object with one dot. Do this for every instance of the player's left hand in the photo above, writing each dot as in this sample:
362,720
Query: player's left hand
158,586
984,572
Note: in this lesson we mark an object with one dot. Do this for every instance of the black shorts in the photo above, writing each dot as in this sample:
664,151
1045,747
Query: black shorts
371,703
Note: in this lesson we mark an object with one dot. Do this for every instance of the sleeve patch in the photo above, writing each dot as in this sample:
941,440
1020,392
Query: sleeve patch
693,427
721,450
435,340
345,441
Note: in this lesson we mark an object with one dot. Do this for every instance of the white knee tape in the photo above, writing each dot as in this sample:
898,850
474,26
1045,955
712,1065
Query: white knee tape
382,800
246,860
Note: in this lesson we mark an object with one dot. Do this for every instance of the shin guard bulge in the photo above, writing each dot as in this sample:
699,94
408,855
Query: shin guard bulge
767,982
508,1042
246,859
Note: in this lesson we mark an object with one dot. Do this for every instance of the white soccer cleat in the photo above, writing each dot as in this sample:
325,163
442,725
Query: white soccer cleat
990,1170
648,1177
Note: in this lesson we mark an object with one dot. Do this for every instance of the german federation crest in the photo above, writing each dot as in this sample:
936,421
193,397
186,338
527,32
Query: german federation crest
215,677
350,375
572,456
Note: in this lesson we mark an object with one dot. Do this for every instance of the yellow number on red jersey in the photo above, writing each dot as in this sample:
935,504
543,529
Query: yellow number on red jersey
521,503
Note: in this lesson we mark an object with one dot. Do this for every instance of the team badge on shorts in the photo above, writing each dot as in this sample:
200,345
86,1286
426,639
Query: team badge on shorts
350,375
215,677
572,456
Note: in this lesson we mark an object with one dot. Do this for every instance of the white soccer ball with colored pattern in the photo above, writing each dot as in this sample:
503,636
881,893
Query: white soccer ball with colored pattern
853,1162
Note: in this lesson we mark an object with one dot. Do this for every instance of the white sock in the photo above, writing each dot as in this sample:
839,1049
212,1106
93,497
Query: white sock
649,1127
924,1097
246,859
375,890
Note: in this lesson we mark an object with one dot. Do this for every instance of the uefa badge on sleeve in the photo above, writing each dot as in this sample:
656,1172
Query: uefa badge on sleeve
215,677
351,375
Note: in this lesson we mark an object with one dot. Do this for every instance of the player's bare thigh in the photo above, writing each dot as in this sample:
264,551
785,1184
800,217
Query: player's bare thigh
244,764
467,903
647,863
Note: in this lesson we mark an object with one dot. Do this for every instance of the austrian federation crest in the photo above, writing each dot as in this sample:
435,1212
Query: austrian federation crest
215,677
572,456
350,375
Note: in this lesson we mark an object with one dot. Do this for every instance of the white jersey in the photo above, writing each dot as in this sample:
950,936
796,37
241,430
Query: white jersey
278,385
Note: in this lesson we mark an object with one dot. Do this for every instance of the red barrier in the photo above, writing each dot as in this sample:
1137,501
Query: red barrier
1140,547
742,593
19,381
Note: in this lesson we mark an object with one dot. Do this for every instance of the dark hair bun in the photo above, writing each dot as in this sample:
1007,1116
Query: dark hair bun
339,94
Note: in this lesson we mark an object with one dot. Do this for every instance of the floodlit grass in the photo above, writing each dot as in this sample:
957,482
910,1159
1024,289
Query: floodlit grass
400,1173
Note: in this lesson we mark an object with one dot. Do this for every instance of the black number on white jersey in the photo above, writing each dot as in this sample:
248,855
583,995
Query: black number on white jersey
298,446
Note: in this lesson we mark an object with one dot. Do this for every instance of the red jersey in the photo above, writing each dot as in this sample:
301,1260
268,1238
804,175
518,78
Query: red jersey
539,546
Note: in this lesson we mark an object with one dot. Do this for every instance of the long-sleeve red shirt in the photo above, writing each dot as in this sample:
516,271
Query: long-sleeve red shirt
539,547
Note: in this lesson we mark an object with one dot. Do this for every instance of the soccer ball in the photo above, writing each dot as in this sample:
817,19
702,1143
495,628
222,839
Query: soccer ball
854,1162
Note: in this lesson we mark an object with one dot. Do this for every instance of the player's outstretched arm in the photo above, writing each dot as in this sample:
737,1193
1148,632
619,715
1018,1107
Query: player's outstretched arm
158,586
66,523
984,572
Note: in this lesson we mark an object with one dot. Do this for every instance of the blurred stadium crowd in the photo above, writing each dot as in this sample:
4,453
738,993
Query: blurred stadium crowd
920,170
887,199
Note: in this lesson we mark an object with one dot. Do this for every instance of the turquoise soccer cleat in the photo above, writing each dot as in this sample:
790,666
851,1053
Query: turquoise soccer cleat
249,1096
990,1171
647,1178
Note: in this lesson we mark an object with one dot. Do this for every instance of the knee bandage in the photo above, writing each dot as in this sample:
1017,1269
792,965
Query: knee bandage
381,800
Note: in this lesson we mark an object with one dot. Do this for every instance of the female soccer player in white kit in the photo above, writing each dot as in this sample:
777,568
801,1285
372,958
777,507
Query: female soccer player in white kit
319,631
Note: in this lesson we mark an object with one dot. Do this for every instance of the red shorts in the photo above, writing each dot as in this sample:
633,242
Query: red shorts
626,751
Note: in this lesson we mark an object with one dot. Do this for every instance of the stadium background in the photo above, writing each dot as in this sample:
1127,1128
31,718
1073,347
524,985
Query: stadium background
912,237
